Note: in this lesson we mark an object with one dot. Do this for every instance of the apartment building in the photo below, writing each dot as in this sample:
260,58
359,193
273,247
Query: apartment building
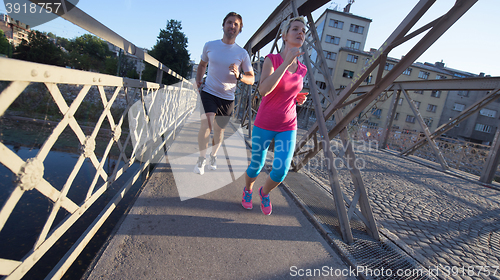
336,30
429,103
480,127
14,30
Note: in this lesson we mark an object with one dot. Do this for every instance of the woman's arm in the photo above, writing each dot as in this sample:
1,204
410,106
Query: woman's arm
270,77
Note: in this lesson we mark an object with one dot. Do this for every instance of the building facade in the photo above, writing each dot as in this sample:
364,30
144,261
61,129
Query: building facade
436,107
14,30
338,30
478,128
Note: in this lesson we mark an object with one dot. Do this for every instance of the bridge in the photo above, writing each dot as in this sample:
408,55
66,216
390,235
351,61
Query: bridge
399,213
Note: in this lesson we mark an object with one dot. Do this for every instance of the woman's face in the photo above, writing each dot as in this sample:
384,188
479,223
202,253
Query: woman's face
296,34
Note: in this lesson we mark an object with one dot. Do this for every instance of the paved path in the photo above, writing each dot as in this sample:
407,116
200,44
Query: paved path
446,220
175,232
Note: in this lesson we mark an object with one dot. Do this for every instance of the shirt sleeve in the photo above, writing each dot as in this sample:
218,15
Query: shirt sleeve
304,70
204,54
246,65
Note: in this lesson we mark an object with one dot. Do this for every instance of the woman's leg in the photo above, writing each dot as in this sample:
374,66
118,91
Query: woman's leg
284,146
261,139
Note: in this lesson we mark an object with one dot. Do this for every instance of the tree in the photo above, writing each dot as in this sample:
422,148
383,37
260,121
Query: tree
171,50
39,49
63,42
121,66
88,52
5,47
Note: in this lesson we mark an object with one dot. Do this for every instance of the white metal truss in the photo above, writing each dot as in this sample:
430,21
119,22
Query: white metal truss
178,102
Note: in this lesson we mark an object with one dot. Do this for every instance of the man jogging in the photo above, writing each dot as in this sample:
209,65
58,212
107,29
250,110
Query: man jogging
227,64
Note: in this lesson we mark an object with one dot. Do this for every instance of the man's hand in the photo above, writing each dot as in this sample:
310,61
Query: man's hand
233,68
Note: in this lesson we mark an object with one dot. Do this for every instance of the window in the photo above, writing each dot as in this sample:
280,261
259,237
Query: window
348,74
330,71
400,101
483,128
410,119
352,58
419,91
330,55
424,75
341,86
353,44
436,93
336,23
431,108
428,121
388,66
377,113
407,71
458,107
396,117
356,29
319,29
332,39
488,113
321,85
372,125
417,104
440,77
463,93
368,79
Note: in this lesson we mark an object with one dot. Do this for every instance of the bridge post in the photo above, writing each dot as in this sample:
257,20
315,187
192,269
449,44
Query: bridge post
427,133
390,118
491,164
345,227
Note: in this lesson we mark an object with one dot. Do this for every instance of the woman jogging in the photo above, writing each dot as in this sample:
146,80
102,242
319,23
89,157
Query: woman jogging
280,83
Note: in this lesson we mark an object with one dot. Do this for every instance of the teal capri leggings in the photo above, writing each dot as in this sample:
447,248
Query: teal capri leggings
284,145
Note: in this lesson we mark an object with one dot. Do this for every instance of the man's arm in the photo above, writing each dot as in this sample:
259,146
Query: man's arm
248,78
202,67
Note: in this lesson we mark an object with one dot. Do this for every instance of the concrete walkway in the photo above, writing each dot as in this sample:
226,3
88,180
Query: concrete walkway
185,226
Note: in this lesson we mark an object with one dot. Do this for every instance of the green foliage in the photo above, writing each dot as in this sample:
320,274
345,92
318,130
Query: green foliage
110,65
5,47
62,42
171,50
39,49
88,52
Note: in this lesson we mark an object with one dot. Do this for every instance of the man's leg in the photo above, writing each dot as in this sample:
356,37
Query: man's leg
206,126
218,137
203,136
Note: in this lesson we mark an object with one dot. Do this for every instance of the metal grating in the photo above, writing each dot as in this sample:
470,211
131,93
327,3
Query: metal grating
371,258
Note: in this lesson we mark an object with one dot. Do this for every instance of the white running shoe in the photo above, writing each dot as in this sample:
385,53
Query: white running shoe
212,162
199,168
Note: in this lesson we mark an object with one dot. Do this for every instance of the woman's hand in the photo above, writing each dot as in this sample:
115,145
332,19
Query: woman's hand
292,54
301,98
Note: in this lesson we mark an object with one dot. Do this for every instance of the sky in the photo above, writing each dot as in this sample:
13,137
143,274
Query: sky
469,45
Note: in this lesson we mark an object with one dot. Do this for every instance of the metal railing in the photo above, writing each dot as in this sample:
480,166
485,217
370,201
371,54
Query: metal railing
461,155
132,122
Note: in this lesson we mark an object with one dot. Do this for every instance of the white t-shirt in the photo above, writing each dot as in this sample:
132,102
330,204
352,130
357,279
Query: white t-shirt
219,55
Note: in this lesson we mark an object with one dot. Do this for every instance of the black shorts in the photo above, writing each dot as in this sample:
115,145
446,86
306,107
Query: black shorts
222,108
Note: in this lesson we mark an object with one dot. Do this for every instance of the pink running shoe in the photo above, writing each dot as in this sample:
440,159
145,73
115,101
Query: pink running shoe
246,200
265,206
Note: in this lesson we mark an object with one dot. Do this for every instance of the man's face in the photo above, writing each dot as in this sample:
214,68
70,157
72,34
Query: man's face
232,27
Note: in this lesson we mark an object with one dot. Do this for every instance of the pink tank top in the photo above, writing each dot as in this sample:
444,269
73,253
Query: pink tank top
277,110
